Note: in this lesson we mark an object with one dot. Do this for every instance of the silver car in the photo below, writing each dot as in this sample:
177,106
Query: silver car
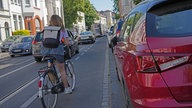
37,44
21,46
86,37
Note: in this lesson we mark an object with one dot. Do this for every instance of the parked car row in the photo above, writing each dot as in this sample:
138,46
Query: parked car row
23,45
7,43
153,55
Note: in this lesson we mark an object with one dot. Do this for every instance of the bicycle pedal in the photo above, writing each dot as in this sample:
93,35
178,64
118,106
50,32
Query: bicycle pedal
57,88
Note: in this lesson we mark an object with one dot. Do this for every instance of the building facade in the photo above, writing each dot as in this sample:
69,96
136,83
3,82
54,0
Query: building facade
30,15
125,6
110,18
5,22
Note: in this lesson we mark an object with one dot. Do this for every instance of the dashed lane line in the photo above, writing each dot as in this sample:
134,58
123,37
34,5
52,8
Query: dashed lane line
29,101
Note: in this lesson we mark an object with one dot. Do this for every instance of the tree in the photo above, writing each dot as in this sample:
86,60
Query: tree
90,14
71,7
116,8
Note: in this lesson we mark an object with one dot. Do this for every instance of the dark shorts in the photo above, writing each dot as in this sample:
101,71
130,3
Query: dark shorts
59,58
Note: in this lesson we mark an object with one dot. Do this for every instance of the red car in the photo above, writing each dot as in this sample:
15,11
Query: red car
153,55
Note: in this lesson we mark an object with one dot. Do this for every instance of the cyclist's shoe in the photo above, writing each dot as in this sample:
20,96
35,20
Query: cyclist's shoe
68,90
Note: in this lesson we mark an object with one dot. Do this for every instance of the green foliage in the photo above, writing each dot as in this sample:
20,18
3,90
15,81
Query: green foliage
71,7
21,32
115,6
90,14
137,1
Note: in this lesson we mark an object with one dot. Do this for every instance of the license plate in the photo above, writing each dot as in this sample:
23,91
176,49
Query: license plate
84,37
16,50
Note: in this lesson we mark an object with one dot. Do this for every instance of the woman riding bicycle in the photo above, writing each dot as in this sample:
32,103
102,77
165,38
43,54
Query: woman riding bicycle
58,52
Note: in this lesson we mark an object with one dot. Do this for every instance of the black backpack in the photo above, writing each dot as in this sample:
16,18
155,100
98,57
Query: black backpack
51,36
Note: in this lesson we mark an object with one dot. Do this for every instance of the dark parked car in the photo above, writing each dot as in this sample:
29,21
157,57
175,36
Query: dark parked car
86,37
154,55
7,43
37,44
21,46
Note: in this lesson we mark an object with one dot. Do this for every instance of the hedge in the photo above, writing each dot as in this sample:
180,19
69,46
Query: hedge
21,32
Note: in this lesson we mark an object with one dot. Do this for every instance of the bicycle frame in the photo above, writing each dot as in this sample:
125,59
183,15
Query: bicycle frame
42,72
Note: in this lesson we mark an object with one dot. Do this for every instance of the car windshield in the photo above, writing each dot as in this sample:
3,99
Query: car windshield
85,33
11,38
174,21
23,40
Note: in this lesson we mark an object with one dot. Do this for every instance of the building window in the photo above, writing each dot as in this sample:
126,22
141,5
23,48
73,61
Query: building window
1,4
36,3
12,1
19,2
37,25
15,22
7,29
27,3
54,10
15,1
58,11
20,23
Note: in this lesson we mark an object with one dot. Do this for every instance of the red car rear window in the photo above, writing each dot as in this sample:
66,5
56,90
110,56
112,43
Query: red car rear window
171,20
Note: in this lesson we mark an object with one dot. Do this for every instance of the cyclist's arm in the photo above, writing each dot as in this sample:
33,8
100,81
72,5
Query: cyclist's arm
65,37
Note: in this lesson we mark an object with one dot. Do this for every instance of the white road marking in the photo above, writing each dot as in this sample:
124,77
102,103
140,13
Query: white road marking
17,91
29,101
5,65
16,70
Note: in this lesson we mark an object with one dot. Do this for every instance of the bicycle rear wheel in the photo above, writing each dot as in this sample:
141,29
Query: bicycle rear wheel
70,74
48,99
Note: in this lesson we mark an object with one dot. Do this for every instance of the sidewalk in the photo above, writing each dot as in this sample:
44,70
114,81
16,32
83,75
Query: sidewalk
4,54
117,100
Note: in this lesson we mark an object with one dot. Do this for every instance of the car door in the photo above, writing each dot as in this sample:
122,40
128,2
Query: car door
121,49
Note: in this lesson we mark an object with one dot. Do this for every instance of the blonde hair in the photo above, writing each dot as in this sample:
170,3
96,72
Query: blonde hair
56,21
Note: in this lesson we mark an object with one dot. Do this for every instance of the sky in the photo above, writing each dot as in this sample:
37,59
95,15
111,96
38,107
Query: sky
102,4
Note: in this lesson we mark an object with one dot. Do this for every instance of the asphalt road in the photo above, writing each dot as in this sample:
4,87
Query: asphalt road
96,80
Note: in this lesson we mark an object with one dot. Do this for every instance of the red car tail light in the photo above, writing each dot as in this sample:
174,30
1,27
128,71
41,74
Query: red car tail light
34,42
158,63
145,64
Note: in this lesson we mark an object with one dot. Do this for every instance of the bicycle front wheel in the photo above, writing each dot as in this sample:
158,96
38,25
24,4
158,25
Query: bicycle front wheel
70,74
48,99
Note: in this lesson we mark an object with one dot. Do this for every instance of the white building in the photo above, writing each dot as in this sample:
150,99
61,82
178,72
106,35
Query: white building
99,27
80,25
109,18
5,23
17,22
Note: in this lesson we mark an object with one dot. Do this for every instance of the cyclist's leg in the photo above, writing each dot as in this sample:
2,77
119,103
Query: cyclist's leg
61,67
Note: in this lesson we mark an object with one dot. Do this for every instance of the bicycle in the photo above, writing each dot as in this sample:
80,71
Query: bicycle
50,84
